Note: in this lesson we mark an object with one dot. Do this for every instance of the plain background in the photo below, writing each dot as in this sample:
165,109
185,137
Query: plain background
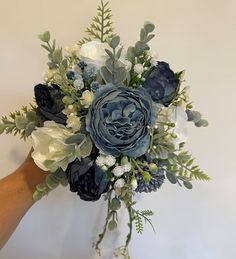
193,34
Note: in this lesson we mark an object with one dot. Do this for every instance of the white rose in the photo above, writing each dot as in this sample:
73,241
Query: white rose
87,98
50,150
93,53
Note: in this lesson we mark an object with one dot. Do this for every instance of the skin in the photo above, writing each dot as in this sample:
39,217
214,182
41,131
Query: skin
16,196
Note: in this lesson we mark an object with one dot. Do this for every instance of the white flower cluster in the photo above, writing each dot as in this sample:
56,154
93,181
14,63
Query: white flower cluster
105,161
118,171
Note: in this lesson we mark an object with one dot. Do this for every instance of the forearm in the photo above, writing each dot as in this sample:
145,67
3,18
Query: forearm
16,197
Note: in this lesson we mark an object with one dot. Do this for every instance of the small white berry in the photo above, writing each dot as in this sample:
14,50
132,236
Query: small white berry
119,183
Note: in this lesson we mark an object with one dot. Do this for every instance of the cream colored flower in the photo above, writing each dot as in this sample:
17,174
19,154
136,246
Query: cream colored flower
87,98
73,122
50,150
72,51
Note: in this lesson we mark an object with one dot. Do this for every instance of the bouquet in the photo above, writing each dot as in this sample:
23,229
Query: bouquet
109,121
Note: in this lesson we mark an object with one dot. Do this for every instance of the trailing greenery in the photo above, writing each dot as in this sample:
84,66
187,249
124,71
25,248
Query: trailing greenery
101,27
21,122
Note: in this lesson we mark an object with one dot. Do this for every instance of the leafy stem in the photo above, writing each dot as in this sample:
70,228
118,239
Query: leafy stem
101,236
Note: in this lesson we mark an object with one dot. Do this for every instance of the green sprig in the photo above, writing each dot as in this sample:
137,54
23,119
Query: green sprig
21,122
101,27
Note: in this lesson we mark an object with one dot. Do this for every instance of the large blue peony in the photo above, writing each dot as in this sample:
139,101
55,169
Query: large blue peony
118,120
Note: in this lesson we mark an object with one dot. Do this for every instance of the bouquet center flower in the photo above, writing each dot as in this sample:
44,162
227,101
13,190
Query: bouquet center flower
118,120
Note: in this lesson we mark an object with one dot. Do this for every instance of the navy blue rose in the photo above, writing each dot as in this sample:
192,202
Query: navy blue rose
50,105
162,83
118,120
87,179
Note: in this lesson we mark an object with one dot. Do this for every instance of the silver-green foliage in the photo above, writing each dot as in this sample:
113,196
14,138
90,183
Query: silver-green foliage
113,71
101,27
53,180
20,122
141,46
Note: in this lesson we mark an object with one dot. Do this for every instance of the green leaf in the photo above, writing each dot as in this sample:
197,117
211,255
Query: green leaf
75,139
171,177
57,56
149,27
106,75
41,187
86,148
37,195
112,225
51,181
115,204
140,47
202,123
110,54
131,54
115,41
188,185
119,75
2,128
30,127
45,37
21,122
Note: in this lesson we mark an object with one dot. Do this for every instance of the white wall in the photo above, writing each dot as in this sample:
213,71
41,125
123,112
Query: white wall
193,34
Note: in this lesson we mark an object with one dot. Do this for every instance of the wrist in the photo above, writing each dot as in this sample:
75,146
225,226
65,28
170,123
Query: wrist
32,175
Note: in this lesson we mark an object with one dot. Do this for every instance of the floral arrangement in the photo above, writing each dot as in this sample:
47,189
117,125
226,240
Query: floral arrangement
109,121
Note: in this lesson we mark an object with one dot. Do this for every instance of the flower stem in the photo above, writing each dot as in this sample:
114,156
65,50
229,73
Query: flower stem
130,224
101,236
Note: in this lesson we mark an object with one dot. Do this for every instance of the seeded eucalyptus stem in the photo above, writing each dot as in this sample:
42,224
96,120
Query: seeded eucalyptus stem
101,236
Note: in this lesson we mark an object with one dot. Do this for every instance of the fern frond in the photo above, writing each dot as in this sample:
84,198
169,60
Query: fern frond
101,27
138,223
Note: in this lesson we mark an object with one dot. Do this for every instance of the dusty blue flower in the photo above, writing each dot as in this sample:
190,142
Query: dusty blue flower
118,120
162,84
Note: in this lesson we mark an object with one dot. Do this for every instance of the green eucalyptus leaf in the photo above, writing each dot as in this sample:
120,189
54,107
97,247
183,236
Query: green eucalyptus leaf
45,37
112,225
188,185
131,54
75,139
171,177
51,181
30,127
149,27
57,56
115,41
37,195
119,75
150,37
115,204
201,123
140,47
109,65
106,75
41,187
143,35
110,54
86,148
118,53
